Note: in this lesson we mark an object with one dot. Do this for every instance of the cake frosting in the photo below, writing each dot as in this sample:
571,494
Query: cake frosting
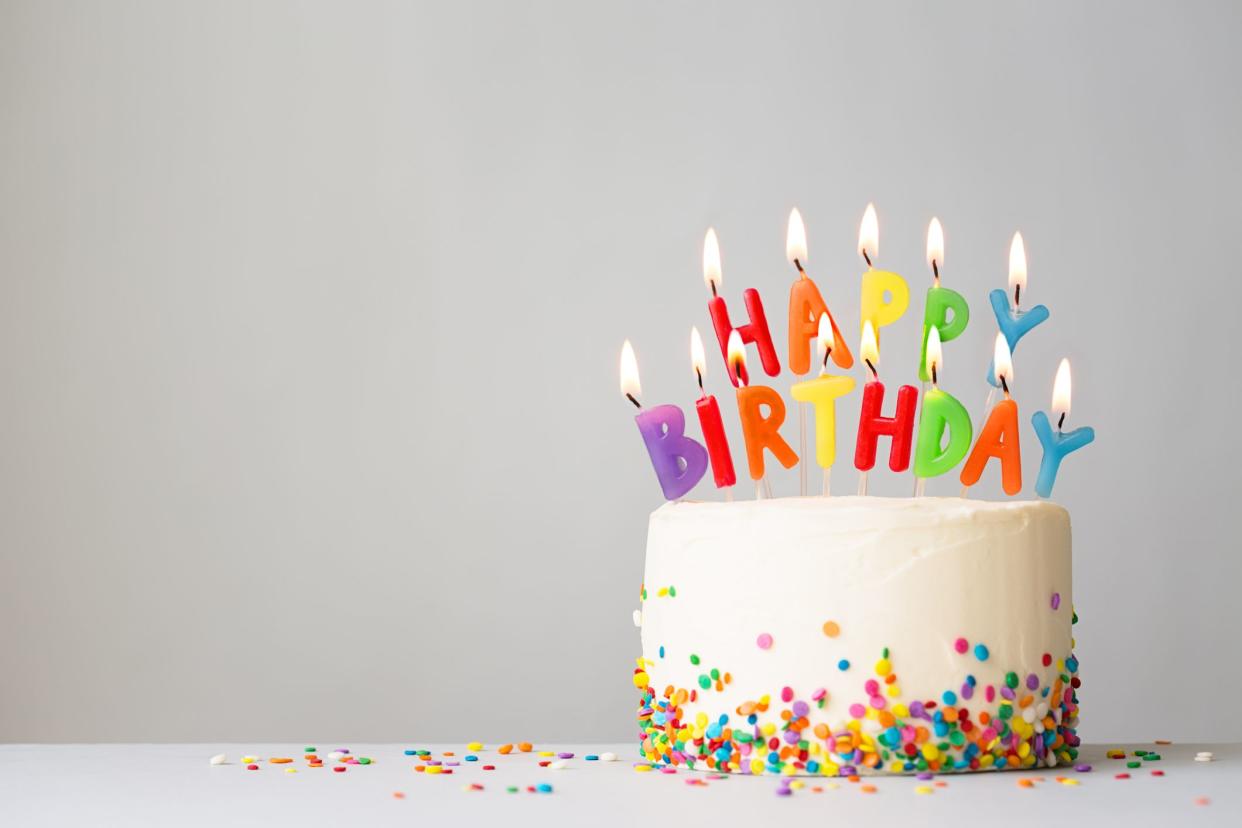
852,635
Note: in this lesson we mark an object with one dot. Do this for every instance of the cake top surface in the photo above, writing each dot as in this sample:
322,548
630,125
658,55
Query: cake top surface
859,511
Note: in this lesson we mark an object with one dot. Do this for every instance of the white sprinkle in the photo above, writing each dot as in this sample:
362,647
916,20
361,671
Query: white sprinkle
638,618
559,764
1028,715
336,755
219,759
608,756
1205,756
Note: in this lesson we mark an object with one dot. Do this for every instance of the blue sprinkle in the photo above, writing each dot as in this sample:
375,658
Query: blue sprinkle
410,752
843,665
661,651
591,757
471,758
970,680
981,652
543,787
949,698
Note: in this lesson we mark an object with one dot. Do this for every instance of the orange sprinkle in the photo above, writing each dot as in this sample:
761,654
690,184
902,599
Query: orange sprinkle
505,750
832,629
525,747
867,788
280,760
398,795
821,730
1026,701
1025,783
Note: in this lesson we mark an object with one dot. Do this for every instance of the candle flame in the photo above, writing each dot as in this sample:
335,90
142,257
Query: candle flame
935,354
711,261
795,239
698,359
870,349
935,245
826,339
869,235
1002,359
1061,391
737,359
630,386
1017,265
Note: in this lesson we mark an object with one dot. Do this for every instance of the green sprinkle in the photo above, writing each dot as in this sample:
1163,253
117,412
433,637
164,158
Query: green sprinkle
512,789
364,761
308,750
1133,764
715,674
705,682
1011,679
672,592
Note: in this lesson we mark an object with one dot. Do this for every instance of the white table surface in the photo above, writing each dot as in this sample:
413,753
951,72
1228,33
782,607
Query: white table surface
139,785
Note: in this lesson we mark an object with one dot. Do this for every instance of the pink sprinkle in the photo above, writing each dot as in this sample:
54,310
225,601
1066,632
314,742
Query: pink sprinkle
764,641
819,694
961,645
857,710
786,694
877,702
1056,600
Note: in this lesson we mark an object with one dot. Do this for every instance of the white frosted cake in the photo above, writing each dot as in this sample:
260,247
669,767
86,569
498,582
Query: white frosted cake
859,635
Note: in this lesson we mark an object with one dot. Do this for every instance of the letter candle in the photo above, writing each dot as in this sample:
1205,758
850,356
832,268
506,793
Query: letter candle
756,331
1013,322
940,412
945,310
807,312
876,284
760,432
823,392
711,423
999,436
1056,444
871,425
679,461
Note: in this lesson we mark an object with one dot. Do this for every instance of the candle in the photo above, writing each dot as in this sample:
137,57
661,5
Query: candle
1057,444
945,310
756,331
871,425
941,412
1014,322
822,393
878,284
679,461
999,436
709,419
760,432
807,307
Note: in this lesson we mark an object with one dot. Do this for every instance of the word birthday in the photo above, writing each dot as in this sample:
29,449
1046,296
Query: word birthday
930,440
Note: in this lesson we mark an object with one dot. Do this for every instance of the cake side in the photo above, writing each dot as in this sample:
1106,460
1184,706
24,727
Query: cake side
842,635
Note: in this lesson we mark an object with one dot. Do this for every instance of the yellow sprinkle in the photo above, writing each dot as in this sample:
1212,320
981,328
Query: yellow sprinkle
291,770
883,667
640,681
432,769
923,789
797,786
1068,781
930,752
642,768
475,746
546,753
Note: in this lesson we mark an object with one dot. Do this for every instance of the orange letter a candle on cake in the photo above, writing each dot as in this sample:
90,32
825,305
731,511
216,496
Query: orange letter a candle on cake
999,436
807,309
760,431
754,332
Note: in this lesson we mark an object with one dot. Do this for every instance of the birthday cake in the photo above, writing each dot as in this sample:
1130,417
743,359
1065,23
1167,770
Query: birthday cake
855,635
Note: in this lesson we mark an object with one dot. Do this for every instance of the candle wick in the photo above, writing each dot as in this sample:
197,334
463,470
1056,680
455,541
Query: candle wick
866,258
630,397
1017,294
798,265
827,353
699,374
1061,421
936,272
713,284
874,374
933,373
1004,385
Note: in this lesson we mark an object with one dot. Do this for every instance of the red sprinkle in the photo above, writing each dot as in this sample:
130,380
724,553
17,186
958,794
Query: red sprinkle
489,767
339,769
252,767
1047,659
1122,776
1157,773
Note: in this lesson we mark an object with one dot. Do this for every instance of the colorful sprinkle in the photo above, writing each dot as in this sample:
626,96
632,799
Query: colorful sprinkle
764,641
1056,600
832,629
961,645
981,652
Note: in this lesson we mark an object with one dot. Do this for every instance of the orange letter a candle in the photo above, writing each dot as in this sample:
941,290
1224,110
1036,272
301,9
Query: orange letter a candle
999,438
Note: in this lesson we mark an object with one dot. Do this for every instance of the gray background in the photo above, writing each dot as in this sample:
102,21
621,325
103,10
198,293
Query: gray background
310,314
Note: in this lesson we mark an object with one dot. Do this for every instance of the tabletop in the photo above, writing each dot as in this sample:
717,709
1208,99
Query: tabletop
558,784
